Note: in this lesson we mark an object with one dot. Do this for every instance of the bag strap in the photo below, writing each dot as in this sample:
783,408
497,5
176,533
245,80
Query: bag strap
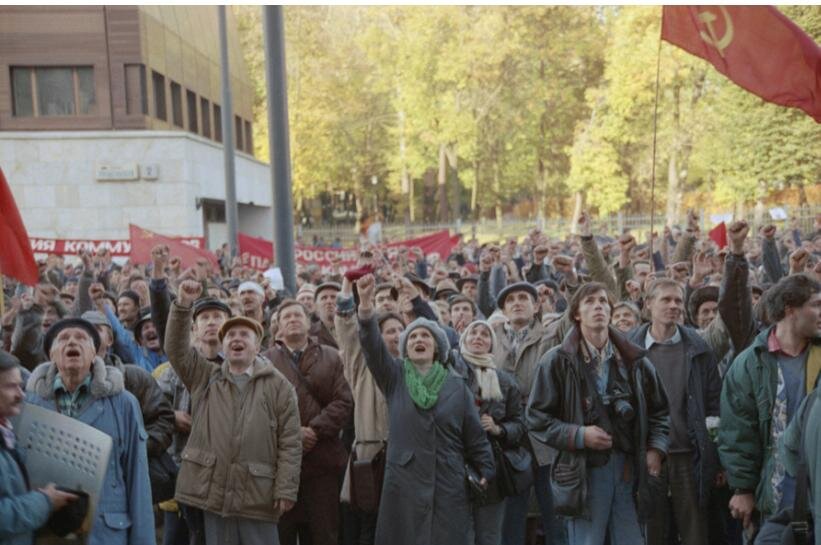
799,523
590,385
302,379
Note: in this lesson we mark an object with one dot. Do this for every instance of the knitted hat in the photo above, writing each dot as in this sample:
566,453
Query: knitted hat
442,346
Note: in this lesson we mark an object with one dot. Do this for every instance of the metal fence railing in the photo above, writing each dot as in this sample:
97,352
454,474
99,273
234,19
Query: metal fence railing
488,229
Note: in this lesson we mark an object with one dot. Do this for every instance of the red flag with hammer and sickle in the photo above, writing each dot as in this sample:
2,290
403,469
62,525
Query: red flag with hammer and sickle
757,47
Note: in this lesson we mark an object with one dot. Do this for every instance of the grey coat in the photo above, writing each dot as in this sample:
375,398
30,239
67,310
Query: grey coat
424,496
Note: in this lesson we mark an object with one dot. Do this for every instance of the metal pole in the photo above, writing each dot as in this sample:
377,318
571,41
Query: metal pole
276,82
228,138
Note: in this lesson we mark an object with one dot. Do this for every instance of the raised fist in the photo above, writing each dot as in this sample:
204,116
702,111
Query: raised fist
189,291
366,286
584,224
486,261
798,261
737,233
768,231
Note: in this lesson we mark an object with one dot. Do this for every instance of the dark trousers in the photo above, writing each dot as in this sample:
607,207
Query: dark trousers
175,529
315,517
678,476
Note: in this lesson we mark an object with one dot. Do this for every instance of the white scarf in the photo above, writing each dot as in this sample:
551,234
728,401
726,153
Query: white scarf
483,365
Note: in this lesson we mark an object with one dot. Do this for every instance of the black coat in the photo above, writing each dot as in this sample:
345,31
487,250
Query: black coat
703,400
424,496
555,411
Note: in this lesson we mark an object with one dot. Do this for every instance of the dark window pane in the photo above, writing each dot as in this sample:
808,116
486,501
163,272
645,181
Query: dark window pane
205,112
176,103
136,99
85,85
191,100
159,95
249,138
217,123
21,90
55,91
238,133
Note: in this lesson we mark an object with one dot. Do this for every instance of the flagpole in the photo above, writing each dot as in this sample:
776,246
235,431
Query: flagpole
653,168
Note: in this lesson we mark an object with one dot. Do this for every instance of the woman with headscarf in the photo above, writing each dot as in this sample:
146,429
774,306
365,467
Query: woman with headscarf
499,400
436,437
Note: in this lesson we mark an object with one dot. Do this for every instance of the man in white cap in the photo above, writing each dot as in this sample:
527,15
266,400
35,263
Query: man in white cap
252,299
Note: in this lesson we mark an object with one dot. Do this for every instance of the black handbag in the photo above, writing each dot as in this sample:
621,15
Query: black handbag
162,471
568,484
514,469
366,478
477,493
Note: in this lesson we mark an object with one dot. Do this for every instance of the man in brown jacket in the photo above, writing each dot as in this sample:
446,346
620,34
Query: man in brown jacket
240,476
325,406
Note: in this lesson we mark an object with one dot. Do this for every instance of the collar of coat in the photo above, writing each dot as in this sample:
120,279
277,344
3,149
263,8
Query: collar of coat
313,343
105,380
628,351
261,366
689,336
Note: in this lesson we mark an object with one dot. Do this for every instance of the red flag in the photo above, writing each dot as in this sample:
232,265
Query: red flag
757,47
16,257
718,234
143,240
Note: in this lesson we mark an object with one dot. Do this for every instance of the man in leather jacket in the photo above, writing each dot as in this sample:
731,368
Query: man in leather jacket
598,404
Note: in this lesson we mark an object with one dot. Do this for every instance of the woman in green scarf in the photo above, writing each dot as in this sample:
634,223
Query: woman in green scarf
435,434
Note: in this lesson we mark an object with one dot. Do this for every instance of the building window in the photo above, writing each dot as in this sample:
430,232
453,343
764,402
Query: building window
191,101
136,97
249,138
53,91
217,123
159,95
176,104
238,134
205,112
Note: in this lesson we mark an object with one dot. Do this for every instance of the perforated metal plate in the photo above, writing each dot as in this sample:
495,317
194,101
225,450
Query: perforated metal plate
62,450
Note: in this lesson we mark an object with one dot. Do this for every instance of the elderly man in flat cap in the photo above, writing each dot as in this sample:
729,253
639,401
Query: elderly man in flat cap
78,384
242,460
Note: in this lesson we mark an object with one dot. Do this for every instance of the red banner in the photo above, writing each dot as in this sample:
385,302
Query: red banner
757,47
143,241
16,260
258,253
117,248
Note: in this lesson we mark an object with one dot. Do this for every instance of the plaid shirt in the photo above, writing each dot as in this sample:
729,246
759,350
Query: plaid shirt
69,404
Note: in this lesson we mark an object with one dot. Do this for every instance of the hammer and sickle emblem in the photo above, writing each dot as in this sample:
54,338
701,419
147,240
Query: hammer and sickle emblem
708,18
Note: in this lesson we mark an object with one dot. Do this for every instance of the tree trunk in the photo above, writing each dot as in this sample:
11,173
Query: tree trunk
442,178
407,184
497,190
577,211
453,161
475,189
673,189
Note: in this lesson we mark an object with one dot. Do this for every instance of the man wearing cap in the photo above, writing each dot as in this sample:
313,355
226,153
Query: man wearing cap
208,316
78,384
242,478
306,295
128,308
322,322
325,407
32,321
522,343
22,510
252,298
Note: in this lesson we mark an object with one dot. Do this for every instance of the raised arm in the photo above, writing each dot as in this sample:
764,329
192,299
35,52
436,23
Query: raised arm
192,368
158,290
596,264
383,366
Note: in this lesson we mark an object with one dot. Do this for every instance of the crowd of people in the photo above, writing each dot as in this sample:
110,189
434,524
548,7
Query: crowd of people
580,391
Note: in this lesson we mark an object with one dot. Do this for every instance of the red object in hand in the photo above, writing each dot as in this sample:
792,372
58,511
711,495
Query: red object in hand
355,274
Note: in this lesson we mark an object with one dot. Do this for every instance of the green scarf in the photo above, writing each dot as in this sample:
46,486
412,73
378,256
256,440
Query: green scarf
424,390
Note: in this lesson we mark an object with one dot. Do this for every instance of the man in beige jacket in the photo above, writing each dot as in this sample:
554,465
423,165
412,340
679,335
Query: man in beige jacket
242,462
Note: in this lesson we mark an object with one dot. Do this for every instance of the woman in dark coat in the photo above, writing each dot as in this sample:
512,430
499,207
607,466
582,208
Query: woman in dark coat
435,433
497,396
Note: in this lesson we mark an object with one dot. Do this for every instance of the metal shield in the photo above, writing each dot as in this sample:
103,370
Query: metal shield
64,451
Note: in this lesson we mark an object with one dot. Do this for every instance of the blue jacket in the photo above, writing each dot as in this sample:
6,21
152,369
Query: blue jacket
128,348
124,514
21,511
